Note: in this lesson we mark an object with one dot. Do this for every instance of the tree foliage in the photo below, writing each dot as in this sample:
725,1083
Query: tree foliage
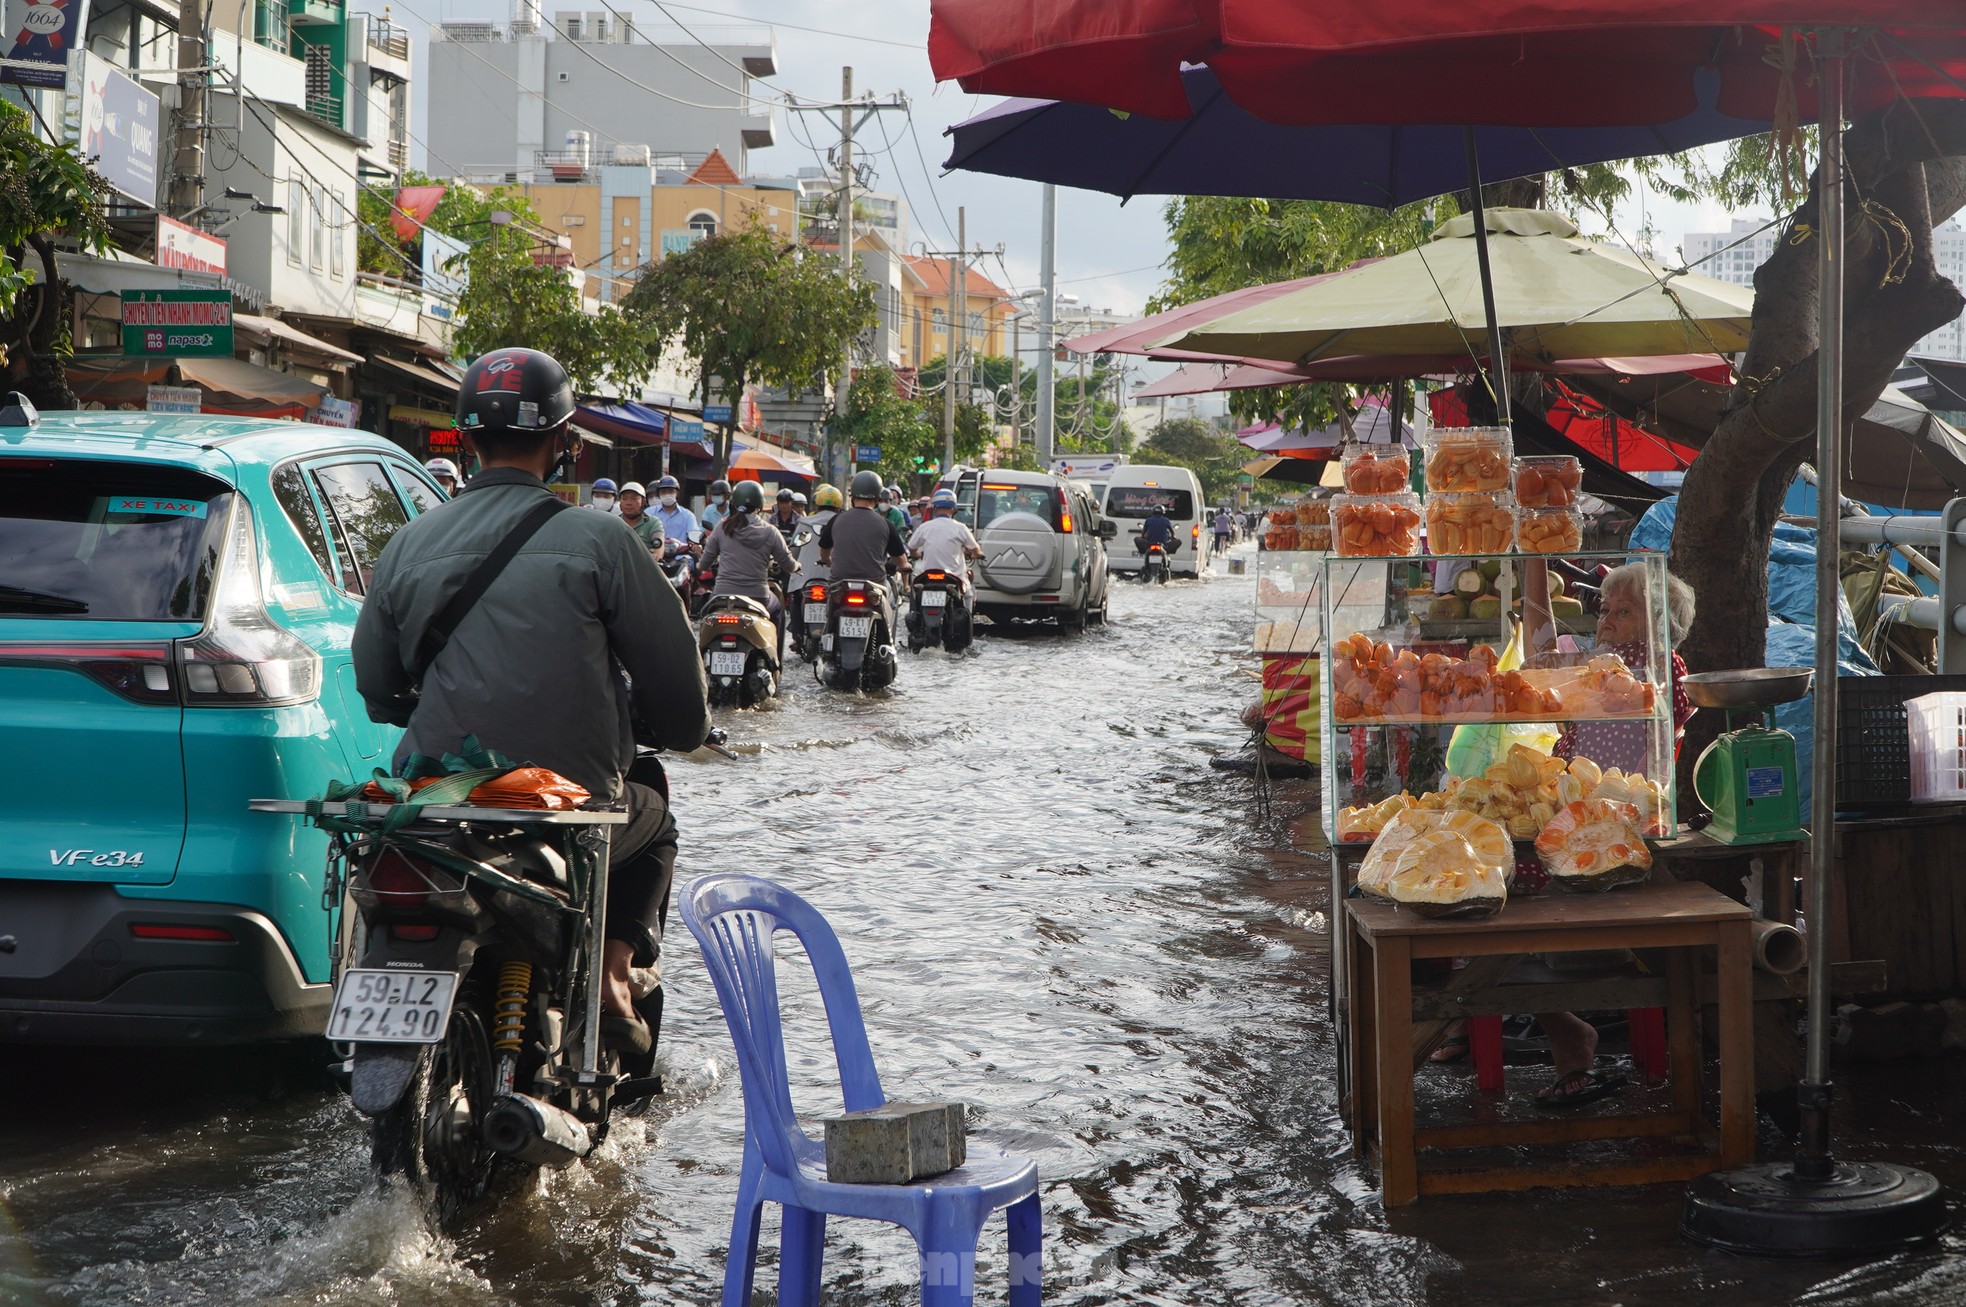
908,429
748,306
46,191
463,214
513,299
1212,454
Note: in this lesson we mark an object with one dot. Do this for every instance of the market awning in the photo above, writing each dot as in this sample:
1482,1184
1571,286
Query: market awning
271,329
624,420
96,275
250,381
427,377
752,457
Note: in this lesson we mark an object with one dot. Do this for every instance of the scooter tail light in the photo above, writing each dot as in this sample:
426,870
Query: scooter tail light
816,593
729,619
856,599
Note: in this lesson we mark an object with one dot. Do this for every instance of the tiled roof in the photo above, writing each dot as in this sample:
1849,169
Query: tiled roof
714,171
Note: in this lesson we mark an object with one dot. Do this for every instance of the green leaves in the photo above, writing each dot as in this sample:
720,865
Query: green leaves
1210,453
45,191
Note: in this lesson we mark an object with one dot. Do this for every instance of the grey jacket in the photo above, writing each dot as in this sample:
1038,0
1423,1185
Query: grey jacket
743,559
535,669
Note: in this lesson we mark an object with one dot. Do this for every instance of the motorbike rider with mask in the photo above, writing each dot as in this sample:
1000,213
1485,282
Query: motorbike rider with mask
942,543
719,505
675,521
826,506
535,669
858,545
743,549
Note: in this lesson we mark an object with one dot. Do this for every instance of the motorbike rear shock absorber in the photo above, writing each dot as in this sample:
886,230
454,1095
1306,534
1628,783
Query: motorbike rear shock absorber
509,1024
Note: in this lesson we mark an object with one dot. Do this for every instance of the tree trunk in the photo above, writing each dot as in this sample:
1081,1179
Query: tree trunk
1906,173
37,338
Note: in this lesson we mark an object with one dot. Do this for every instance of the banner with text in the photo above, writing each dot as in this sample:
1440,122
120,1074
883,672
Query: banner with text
113,121
177,323
43,34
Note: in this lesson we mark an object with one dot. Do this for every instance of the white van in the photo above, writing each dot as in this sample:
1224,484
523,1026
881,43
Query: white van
1132,493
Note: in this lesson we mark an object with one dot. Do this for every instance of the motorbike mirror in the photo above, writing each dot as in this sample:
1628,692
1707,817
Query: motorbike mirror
698,536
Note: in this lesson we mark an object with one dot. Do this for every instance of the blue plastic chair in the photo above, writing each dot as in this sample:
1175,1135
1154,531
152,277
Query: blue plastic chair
734,919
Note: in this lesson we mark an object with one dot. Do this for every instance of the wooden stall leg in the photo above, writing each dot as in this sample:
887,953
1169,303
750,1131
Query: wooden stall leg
1364,1045
1735,984
1682,1035
1392,978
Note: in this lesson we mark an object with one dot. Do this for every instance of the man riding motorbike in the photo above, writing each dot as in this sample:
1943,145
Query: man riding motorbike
942,543
784,515
826,506
742,551
718,507
677,522
534,670
859,544
444,472
634,516
602,496
891,507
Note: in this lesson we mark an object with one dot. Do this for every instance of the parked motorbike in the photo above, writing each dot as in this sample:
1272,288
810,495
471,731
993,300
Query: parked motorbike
739,644
857,648
809,628
1154,568
467,983
938,613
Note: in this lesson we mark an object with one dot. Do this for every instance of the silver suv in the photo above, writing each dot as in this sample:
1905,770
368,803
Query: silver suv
1043,545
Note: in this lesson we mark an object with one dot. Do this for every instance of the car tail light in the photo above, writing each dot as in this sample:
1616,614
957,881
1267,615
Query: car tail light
195,934
243,658
1064,514
136,669
1195,531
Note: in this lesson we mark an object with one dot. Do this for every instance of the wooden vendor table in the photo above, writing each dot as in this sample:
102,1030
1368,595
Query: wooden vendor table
1381,944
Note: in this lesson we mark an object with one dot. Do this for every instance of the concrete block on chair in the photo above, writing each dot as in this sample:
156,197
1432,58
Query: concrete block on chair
895,1143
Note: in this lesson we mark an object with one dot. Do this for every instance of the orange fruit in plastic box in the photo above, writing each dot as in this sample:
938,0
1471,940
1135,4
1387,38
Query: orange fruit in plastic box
1375,526
1370,473
1549,531
1548,481
1472,458
1473,522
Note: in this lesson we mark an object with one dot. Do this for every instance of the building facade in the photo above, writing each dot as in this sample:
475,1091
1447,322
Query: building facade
589,90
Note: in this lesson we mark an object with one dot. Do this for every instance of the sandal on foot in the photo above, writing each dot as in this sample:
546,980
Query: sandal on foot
1452,1049
1589,1087
626,1034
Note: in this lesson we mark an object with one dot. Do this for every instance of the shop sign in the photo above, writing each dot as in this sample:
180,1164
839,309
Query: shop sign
338,412
45,33
177,323
675,240
444,275
180,245
685,431
716,413
866,453
113,121
173,399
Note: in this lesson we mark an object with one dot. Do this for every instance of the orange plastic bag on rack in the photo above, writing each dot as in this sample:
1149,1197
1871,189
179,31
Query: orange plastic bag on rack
522,787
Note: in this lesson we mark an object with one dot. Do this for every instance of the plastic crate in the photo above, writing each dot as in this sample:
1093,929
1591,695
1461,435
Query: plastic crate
1936,729
1873,753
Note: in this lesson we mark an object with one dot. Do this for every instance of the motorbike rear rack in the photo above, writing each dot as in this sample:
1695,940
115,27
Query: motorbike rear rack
592,841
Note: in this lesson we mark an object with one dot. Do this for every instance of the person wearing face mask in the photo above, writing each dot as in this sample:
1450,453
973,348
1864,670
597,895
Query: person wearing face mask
719,505
602,496
634,516
676,522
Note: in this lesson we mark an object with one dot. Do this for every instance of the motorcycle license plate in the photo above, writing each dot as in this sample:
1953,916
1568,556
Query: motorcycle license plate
726,664
391,1007
935,599
815,614
855,628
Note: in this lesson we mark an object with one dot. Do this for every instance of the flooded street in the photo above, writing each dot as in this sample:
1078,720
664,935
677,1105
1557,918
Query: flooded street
1057,912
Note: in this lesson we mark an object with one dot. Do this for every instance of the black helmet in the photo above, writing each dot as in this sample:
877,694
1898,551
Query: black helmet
515,392
749,497
867,485
719,488
668,483
785,496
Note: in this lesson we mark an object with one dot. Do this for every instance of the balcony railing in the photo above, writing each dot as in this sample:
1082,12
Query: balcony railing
399,154
389,38
328,108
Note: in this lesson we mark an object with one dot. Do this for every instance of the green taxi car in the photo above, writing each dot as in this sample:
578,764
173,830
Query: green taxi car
177,596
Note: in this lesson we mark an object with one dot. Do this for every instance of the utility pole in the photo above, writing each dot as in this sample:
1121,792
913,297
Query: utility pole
958,305
188,167
1016,378
1047,315
845,387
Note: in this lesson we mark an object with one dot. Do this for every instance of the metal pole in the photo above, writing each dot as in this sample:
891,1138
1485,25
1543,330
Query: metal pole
1047,396
1813,1158
1016,378
958,269
845,386
1498,363
188,169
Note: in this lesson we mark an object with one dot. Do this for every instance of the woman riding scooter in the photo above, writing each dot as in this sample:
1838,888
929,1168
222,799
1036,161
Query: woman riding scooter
743,549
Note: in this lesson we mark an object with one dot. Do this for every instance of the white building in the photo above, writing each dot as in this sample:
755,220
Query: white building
1716,254
873,210
589,87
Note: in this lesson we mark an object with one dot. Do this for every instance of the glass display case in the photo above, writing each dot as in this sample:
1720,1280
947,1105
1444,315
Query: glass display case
1290,601
1420,697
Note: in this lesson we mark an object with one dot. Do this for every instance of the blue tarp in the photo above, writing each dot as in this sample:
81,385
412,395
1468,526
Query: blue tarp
1791,620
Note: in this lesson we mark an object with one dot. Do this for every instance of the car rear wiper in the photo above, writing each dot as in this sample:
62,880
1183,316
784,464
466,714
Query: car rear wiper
14,597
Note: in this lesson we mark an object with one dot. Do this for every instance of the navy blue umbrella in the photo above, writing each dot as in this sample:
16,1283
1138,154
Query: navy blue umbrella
1224,150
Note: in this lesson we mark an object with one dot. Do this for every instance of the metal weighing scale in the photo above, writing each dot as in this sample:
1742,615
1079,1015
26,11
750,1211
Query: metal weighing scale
1747,777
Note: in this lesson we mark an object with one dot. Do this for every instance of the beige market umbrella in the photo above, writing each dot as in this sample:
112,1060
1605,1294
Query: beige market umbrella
1557,296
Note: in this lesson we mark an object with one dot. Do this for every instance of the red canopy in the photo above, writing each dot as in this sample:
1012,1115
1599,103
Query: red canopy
1625,445
1530,63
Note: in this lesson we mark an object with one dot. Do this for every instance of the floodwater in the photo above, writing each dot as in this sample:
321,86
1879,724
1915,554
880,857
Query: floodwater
1058,913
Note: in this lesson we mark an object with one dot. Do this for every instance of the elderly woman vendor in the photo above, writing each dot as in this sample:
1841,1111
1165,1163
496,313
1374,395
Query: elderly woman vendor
1623,628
